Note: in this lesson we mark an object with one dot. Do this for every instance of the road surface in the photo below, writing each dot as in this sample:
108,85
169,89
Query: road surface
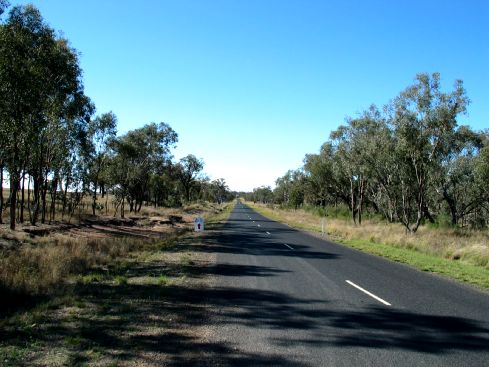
285,298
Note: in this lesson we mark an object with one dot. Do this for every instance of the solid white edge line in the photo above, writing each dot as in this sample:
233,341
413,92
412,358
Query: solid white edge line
368,293
288,246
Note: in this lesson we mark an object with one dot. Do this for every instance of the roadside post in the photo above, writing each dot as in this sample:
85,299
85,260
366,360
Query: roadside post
199,224
323,226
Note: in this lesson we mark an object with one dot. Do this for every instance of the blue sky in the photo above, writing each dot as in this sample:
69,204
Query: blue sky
251,86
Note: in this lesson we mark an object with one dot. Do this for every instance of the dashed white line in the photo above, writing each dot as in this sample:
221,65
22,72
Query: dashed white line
368,293
258,225
288,246
268,233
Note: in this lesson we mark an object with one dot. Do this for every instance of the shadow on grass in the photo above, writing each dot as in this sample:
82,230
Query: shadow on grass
15,301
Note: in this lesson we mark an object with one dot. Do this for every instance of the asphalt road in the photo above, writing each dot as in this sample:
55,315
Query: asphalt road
286,298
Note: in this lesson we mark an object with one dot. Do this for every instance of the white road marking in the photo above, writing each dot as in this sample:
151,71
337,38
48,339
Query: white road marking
258,225
368,293
288,246
253,221
268,232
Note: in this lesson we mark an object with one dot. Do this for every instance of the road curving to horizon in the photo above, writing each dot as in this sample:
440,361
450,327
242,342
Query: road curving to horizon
282,297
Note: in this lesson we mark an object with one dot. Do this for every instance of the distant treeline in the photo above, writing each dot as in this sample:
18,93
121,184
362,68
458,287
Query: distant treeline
409,162
53,150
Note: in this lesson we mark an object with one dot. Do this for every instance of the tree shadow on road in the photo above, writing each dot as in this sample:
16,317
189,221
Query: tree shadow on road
247,242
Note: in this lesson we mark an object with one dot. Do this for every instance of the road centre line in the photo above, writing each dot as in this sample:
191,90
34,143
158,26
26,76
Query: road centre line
288,246
368,293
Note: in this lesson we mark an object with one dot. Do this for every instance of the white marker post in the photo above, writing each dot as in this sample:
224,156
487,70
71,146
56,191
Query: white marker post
199,224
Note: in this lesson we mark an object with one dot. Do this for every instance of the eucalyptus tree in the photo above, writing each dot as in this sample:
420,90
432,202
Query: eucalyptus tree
188,170
282,189
40,83
454,181
350,165
297,189
410,161
424,121
290,188
220,190
134,157
100,131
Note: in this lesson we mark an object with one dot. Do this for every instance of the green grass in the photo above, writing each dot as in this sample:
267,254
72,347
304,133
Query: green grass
92,278
457,269
162,280
475,275
120,280
13,355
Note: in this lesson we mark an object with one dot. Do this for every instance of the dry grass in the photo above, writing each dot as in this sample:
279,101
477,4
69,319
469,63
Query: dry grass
37,265
468,246
38,269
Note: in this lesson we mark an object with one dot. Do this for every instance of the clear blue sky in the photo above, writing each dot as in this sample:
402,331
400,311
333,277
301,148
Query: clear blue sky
251,86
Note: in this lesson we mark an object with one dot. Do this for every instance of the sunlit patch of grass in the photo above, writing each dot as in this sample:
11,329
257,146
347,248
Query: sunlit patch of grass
91,278
186,259
162,280
120,280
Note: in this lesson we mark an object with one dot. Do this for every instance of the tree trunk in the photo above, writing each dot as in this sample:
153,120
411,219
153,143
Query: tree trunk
352,201
52,210
44,203
34,212
1,194
94,202
21,218
29,195
452,207
427,214
65,196
361,189
14,183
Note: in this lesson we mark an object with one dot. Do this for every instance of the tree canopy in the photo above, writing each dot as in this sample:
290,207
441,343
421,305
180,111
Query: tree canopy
409,162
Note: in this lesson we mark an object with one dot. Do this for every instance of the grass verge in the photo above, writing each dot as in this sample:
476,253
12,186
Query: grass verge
462,256
217,219
91,301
